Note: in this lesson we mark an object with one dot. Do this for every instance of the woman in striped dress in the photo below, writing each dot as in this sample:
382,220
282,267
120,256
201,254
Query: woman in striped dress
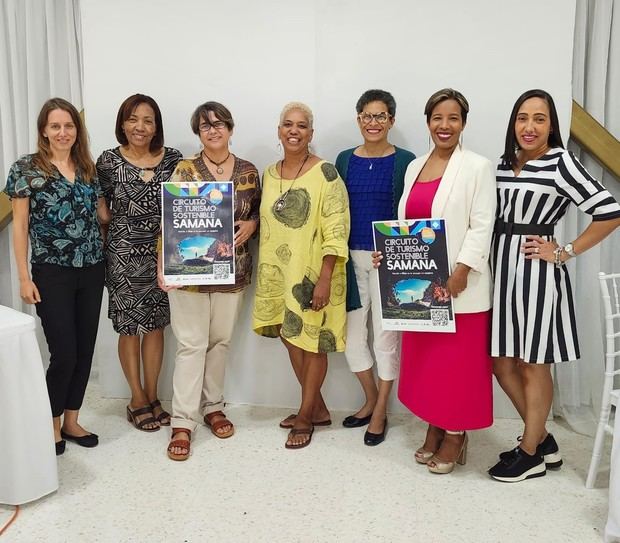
534,322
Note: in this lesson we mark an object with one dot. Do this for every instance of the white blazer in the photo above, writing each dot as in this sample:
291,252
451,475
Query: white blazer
466,198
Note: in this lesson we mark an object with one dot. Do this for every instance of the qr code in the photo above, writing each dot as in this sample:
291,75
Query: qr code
221,271
440,317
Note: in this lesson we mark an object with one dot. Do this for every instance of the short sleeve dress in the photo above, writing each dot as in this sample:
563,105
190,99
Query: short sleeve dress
136,304
293,241
533,309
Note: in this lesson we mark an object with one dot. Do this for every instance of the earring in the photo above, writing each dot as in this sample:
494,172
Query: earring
429,142
229,142
461,140
279,147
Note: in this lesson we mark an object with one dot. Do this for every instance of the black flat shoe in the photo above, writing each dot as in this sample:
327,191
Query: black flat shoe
371,439
354,422
60,447
89,440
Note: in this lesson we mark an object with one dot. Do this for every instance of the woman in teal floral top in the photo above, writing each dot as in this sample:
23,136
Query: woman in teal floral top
57,203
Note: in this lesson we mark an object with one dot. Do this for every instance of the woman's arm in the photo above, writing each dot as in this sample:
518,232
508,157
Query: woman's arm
322,289
21,221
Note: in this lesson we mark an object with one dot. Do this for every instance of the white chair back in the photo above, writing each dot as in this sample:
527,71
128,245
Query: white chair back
610,291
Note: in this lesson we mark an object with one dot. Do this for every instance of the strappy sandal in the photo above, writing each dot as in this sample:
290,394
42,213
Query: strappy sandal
289,422
180,443
298,432
164,417
140,424
215,426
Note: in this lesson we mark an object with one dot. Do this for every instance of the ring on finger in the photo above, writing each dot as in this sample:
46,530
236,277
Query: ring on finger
536,250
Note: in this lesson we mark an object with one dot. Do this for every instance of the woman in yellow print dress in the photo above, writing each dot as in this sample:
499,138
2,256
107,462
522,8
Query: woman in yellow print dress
301,286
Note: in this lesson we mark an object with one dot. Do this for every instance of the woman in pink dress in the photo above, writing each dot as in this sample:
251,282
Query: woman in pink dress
445,379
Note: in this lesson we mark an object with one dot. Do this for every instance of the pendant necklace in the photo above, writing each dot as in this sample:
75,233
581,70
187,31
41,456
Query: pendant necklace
281,201
218,165
144,171
378,156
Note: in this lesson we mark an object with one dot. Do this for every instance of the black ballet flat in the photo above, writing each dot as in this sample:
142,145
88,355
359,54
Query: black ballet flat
354,422
89,440
60,447
371,439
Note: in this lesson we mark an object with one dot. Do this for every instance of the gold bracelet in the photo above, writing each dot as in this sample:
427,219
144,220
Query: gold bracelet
557,257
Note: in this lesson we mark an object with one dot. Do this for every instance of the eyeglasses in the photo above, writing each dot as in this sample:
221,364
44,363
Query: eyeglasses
205,127
381,118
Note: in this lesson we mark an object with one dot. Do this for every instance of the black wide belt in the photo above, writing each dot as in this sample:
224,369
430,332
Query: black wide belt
521,229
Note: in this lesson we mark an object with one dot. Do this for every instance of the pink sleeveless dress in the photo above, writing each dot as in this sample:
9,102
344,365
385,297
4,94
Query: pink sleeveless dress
446,379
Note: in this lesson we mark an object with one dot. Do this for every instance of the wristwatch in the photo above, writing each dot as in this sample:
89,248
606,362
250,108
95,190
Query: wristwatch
568,249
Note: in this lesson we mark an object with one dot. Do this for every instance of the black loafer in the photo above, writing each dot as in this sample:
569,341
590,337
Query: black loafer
89,440
60,447
371,439
354,422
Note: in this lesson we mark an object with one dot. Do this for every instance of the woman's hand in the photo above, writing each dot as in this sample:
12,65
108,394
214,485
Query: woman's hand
245,231
29,292
161,282
536,247
376,259
320,295
457,282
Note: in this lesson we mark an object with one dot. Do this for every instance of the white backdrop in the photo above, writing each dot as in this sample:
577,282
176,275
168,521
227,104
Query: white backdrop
254,57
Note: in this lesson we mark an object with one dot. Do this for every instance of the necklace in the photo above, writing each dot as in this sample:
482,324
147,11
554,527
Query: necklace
218,165
144,171
281,201
380,155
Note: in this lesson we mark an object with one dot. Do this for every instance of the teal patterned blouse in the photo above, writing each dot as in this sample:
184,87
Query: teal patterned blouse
64,229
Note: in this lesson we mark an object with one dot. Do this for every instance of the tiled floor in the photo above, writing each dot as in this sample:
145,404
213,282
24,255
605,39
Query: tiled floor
250,489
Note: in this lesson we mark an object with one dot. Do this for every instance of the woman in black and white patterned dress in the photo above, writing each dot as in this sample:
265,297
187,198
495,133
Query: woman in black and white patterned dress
130,177
534,322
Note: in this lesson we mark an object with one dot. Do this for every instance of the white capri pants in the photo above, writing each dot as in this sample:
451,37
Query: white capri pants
385,343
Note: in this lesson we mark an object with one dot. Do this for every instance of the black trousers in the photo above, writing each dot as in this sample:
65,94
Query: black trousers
69,312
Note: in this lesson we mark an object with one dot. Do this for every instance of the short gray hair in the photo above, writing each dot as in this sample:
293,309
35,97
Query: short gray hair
301,107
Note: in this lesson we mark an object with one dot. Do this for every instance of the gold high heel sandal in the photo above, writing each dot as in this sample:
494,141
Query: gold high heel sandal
422,455
437,465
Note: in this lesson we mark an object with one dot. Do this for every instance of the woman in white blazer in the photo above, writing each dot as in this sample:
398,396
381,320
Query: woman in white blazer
445,379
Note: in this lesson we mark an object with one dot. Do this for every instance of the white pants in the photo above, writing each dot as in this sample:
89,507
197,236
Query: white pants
203,324
385,344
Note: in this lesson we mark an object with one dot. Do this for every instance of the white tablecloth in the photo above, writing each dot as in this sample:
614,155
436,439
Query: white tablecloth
28,467
612,530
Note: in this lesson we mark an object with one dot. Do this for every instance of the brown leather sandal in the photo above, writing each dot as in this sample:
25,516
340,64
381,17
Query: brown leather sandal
299,432
140,424
289,422
164,417
181,443
215,426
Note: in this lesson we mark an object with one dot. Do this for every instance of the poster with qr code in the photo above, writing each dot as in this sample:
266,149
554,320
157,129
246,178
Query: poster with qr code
198,233
413,275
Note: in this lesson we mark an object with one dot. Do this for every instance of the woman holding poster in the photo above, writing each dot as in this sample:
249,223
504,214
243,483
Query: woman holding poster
203,317
445,379
374,175
301,284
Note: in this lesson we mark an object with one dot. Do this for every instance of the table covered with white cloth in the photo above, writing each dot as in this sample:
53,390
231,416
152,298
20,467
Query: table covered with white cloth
28,468
612,530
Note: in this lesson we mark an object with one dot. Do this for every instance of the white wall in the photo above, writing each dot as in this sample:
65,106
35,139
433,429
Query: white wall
256,56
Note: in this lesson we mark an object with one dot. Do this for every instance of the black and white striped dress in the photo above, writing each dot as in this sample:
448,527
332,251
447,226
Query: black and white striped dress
533,311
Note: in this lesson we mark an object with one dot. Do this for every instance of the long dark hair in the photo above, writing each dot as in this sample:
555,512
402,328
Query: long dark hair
79,151
555,139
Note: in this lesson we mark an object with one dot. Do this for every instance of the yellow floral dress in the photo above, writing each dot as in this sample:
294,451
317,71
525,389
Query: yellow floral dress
294,238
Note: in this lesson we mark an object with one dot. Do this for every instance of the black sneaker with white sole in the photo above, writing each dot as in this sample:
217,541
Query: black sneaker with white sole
518,467
548,449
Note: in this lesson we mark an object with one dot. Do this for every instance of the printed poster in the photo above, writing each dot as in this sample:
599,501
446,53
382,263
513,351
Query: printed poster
413,275
198,233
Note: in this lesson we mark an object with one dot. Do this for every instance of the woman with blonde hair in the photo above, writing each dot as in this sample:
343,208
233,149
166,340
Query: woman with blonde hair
301,284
